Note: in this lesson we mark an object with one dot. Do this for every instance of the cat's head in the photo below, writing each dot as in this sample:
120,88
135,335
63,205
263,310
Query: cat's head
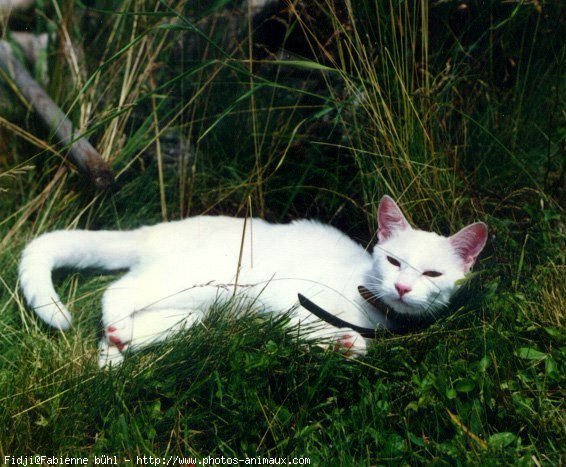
417,272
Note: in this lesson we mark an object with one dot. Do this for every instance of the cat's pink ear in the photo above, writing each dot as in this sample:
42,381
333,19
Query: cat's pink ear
469,243
389,218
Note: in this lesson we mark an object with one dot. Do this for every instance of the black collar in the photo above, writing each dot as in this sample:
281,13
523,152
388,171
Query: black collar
400,322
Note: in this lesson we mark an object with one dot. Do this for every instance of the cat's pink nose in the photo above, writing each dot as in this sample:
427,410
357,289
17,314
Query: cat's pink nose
402,289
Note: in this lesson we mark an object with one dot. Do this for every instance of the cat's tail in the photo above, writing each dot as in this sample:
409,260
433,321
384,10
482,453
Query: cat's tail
79,249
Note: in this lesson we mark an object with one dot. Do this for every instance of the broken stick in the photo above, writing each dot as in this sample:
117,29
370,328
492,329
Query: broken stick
7,6
81,152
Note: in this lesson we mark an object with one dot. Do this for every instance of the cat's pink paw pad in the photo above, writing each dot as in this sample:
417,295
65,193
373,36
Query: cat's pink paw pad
116,342
114,339
351,345
345,343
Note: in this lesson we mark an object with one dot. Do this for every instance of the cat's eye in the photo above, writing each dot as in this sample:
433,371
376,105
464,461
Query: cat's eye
393,261
432,274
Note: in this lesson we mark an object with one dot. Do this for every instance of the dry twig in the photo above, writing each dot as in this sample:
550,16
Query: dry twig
82,153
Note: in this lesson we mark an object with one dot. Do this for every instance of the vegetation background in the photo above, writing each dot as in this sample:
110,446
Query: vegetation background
310,109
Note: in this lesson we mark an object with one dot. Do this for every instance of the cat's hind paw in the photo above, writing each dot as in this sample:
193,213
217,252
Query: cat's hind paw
118,336
109,356
114,338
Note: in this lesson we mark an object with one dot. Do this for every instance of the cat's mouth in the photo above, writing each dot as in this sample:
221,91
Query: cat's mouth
370,298
402,305
394,308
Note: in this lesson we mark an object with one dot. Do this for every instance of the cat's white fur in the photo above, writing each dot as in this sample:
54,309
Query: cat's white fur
177,270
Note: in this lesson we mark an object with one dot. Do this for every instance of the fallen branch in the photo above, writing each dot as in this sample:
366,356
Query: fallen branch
30,44
81,152
7,6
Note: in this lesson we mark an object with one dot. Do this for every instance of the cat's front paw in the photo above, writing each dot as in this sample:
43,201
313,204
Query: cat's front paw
350,343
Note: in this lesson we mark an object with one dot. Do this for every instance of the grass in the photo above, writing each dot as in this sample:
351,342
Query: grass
458,123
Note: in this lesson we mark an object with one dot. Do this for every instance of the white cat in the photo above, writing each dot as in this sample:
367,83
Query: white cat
177,270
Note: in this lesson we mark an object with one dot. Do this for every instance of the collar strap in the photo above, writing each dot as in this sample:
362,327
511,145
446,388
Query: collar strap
334,320
401,323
